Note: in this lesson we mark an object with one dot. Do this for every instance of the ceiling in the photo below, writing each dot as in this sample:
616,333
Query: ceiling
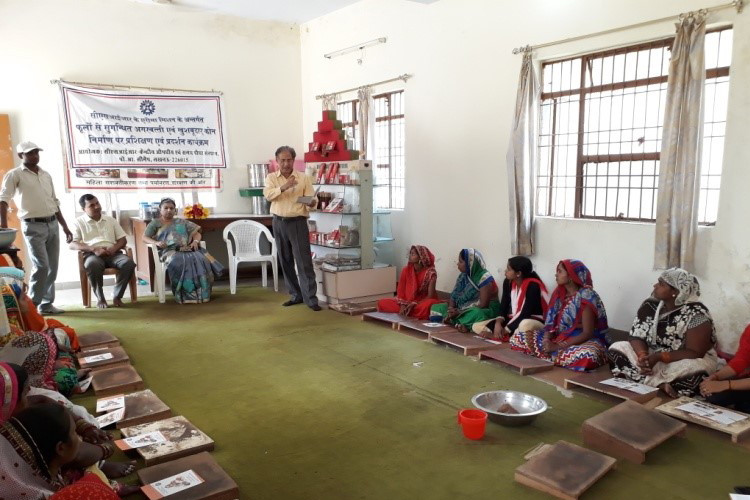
289,11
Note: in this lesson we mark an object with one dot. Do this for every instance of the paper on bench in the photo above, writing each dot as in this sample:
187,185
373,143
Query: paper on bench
110,403
98,357
172,484
110,418
433,325
629,385
141,440
711,412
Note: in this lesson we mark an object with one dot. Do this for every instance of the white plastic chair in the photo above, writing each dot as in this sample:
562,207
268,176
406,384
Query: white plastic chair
160,272
246,248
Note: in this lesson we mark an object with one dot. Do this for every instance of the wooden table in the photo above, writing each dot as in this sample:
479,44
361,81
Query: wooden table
144,261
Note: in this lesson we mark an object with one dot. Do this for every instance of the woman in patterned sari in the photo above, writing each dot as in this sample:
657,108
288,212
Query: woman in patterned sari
12,390
191,269
474,296
573,332
34,446
22,314
416,286
672,339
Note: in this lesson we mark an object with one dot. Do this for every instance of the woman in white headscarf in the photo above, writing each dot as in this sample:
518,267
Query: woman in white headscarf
672,339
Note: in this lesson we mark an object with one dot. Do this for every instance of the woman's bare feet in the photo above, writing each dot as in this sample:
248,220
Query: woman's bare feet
461,328
102,304
117,302
669,390
83,373
113,470
125,490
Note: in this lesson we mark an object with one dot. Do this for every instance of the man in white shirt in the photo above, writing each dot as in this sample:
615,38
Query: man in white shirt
102,239
39,211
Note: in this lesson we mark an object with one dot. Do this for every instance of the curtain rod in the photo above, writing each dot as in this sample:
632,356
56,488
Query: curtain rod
737,4
403,78
125,87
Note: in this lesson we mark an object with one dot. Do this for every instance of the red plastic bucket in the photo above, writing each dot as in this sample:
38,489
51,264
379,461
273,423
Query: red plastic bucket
472,423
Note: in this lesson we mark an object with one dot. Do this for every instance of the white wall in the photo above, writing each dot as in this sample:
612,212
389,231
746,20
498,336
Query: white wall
255,63
458,114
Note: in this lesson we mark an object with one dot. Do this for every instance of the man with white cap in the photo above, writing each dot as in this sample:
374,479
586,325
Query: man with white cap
39,211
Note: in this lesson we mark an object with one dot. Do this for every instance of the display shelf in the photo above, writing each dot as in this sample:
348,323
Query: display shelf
336,247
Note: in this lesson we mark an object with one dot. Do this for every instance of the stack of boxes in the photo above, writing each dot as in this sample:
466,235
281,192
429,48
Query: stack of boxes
329,142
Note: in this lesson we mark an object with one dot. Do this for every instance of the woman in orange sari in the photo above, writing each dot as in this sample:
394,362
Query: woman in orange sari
416,286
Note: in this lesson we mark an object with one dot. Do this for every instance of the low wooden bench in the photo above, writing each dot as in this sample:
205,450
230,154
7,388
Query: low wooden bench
391,319
469,343
217,484
592,381
737,430
564,470
522,363
118,380
182,439
629,431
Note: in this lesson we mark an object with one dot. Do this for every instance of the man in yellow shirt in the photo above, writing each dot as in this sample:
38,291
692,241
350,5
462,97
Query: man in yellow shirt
283,189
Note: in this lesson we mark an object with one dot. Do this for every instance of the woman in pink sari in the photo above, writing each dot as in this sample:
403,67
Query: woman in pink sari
416,286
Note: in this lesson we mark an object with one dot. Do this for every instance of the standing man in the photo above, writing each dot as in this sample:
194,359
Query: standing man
39,211
102,239
283,188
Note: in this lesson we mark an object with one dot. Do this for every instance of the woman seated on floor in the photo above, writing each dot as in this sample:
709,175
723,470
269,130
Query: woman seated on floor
672,339
573,333
474,297
94,447
524,297
191,269
730,386
416,286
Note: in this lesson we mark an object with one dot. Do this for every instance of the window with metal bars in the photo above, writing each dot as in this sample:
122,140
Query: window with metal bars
389,162
601,128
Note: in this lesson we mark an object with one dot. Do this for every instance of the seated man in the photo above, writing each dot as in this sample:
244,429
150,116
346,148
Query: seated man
102,239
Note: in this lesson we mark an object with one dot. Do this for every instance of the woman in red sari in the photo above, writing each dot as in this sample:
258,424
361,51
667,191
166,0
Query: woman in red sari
416,287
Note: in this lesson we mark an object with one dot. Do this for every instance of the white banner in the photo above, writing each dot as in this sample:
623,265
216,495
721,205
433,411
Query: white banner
123,140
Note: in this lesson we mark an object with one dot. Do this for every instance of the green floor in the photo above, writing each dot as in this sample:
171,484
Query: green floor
323,406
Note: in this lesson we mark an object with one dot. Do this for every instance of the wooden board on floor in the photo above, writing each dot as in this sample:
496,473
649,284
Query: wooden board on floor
118,380
564,470
217,484
469,343
97,339
119,358
629,431
354,309
143,407
183,439
523,363
419,326
592,381
738,430
392,319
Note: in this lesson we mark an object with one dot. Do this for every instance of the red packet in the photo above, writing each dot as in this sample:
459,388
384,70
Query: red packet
332,173
315,147
321,173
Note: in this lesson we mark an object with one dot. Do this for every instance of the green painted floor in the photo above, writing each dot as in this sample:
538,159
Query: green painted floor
306,405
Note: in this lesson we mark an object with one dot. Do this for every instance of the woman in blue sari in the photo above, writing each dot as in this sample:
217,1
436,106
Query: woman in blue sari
191,269
573,334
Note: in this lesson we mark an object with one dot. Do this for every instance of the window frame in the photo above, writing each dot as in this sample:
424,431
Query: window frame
582,91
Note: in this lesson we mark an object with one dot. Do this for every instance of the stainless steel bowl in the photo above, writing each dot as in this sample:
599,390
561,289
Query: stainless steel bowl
7,237
527,406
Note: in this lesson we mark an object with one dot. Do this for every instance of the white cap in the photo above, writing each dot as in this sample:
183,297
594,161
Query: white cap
27,146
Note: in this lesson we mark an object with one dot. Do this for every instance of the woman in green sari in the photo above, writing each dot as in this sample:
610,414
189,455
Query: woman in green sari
190,268
474,297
